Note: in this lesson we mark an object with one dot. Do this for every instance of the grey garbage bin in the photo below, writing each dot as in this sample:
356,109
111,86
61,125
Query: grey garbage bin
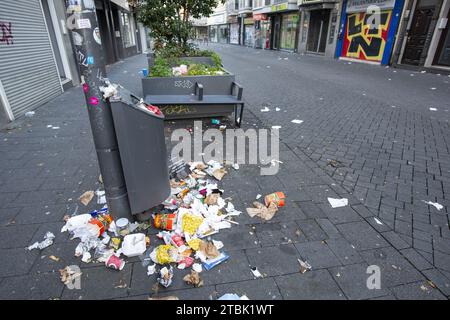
140,136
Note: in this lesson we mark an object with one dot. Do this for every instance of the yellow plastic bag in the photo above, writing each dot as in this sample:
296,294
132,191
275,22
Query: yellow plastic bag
191,223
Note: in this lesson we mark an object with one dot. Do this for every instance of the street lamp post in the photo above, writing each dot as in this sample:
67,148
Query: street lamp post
83,25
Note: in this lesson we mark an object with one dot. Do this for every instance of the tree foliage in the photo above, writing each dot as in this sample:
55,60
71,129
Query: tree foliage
169,21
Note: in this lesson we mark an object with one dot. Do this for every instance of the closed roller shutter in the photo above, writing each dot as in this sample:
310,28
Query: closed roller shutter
27,65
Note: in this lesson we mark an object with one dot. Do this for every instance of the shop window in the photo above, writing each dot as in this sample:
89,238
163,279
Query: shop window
288,30
128,32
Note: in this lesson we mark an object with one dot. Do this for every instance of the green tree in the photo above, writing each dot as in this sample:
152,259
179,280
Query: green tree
169,20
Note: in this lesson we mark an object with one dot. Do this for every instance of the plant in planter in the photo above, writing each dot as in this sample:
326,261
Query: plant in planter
169,21
179,73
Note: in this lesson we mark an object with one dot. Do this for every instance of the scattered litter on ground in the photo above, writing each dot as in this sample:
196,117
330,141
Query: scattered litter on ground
431,284
30,114
337,203
258,196
54,258
151,269
165,276
235,166
276,127
277,109
114,262
233,296
265,109
134,245
335,163
433,109
101,198
121,284
433,88
438,206
274,162
47,242
70,274
197,267
297,121
260,210
277,198
86,197
256,272
378,221
304,266
164,298
194,279
187,220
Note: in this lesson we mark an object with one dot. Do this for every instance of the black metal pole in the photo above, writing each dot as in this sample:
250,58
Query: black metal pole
83,25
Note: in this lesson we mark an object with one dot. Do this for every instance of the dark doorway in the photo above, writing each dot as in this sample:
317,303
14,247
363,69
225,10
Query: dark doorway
318,30
418,32
276,32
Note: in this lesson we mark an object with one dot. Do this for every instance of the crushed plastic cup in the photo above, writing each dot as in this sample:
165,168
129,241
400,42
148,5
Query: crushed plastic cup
115,263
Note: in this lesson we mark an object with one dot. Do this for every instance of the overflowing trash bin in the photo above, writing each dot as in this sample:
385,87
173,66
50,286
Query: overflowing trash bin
140,135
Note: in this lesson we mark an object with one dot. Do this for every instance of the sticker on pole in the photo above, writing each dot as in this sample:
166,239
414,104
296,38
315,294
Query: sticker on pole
96,35
83,24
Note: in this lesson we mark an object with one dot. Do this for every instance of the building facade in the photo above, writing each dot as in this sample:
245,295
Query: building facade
319,21
36,48
218,25
368,33
233,21
424,37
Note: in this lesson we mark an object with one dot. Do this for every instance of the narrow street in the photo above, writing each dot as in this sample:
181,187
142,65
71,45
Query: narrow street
389,151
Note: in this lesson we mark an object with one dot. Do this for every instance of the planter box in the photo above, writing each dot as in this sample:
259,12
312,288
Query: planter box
197,60
185,85
184,88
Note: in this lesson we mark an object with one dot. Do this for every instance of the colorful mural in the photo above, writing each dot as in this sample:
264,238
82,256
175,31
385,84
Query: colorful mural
363,42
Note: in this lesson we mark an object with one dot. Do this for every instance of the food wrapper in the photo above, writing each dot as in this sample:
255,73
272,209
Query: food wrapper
209,250
194,244
190,223
185,263
166,276
211,263
164,254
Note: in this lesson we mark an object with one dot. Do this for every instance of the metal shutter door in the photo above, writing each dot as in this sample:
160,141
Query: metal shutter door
27,66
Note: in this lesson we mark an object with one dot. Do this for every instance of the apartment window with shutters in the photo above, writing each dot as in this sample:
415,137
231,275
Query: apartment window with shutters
127,23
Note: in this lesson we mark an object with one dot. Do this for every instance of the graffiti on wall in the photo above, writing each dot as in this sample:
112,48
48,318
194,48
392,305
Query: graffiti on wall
365,40
6,33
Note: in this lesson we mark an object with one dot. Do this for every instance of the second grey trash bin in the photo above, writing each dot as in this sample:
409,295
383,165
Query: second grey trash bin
140,136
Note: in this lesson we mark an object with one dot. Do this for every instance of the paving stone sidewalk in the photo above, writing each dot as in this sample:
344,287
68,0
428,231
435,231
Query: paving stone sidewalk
44,171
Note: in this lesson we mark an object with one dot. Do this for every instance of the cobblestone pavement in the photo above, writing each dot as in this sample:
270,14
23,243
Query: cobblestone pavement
392,152
43,171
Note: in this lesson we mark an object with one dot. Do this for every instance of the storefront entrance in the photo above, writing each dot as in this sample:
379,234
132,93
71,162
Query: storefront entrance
276,32
415,43
318,29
